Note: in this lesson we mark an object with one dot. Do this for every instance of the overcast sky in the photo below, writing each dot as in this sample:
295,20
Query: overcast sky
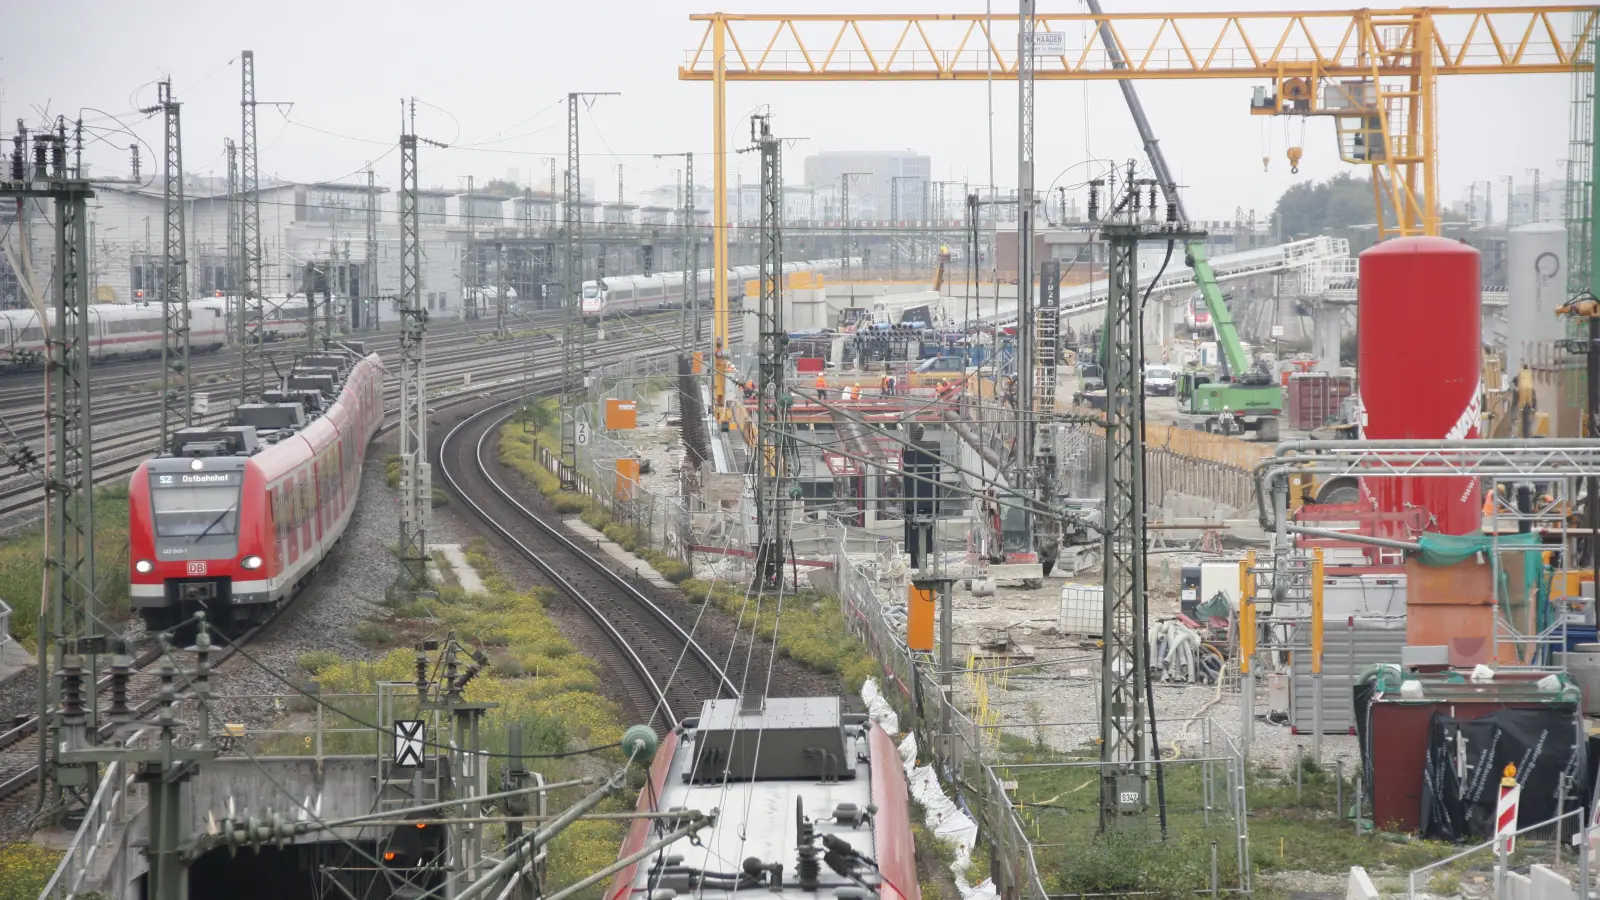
494,74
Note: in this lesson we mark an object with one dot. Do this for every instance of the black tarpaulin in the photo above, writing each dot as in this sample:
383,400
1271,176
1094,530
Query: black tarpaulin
1467,758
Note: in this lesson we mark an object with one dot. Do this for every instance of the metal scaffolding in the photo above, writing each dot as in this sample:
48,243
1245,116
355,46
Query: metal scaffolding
775,451
176,405
416,480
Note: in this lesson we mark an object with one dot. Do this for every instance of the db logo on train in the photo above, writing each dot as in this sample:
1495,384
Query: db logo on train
197,568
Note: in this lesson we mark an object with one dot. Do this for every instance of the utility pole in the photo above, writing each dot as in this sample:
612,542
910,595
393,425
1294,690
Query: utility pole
71,624
572,364
844,210
469,269
176,406
1026,477
369,279
235,255
253,313
689,322
1124,687
894,224
776,442
500,288
416,475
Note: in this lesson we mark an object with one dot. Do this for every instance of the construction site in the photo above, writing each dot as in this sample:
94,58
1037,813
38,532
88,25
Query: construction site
864,532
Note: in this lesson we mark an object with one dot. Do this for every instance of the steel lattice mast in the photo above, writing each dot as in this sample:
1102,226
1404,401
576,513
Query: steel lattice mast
70,623
572,362
471,284
176,406
235,260
572,289
1026,438
252,370
773,399
369,279
691,256
415,476
689,321
1124,751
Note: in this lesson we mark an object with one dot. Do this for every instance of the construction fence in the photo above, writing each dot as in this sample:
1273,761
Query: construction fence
1036,799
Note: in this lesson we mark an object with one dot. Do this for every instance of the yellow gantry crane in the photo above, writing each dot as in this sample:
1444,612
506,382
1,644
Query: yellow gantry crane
1373,71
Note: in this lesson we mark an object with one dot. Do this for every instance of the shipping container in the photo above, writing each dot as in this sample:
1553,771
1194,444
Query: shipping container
1314,399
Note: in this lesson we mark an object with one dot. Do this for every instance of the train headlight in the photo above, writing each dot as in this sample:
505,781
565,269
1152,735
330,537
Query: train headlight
251,562
197,465
144,567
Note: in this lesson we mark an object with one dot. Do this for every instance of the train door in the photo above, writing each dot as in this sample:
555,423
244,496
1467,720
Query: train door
303,491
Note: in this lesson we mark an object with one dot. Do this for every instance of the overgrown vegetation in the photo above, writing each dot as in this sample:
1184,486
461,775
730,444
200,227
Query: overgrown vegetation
518,450
25,868
536,677
817,636
22,565
1059,806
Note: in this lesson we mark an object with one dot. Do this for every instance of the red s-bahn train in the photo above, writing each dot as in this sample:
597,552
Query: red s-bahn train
233,519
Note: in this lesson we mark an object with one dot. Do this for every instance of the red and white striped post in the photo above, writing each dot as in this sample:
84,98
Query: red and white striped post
1505,817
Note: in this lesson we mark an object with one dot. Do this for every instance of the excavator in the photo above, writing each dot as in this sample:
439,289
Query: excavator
1236,396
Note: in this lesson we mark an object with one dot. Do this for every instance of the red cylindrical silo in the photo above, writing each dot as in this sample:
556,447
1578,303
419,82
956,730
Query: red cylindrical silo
1419,363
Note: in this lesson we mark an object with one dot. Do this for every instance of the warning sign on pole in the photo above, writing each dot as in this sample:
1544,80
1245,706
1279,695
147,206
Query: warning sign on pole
409,737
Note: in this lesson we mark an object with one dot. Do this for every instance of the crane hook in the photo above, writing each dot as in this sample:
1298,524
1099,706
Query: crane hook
1294,160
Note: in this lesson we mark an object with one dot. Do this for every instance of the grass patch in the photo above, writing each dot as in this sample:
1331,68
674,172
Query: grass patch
25,868
374,634
519,451
22,565
536,677
1059,806
817,637
814,632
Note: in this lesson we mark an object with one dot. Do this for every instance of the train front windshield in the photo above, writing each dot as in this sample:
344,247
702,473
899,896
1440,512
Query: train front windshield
191,505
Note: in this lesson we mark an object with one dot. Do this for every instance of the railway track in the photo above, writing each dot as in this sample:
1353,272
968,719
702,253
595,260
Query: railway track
19,757
665,673
116,458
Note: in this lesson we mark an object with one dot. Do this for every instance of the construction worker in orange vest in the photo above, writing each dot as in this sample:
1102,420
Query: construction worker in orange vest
822,388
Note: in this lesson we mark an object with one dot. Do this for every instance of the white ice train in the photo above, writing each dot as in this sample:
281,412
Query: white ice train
132,330
622,294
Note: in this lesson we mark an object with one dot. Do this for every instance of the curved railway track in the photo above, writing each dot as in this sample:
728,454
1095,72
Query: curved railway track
666,674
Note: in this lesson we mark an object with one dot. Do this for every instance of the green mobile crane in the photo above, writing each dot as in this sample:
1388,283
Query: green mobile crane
1234,396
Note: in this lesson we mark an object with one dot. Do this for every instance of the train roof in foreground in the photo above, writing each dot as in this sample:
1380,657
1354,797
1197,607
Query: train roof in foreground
811,803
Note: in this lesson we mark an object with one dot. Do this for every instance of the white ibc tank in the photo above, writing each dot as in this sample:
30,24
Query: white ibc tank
1536,283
